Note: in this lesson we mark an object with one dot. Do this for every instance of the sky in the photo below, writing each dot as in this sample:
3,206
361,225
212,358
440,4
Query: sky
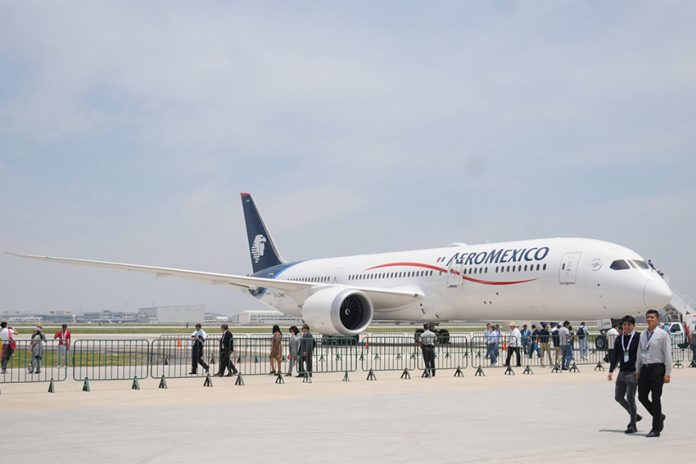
128,130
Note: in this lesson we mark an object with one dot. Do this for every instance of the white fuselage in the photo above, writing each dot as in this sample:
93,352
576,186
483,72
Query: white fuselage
547,279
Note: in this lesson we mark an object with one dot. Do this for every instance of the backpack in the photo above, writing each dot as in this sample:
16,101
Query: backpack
582,331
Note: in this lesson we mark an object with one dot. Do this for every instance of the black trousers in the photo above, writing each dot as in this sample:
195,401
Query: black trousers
197,357
6,355
652,378
510,350
226,362
429,358
305,362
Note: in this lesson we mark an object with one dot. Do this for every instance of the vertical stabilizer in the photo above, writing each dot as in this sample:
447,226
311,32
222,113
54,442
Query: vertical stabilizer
261,247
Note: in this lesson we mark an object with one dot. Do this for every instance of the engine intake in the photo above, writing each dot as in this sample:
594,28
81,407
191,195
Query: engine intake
338,311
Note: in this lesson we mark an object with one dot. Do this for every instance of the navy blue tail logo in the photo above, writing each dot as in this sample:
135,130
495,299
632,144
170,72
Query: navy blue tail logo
263,252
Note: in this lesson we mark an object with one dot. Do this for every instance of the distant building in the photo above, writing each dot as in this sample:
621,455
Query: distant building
107,317
190,314
261,317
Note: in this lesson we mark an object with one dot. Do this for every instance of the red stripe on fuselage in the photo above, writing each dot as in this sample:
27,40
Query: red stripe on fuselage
441,269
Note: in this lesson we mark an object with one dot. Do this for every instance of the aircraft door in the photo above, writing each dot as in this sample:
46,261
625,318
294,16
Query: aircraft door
454,274
569,268
338,275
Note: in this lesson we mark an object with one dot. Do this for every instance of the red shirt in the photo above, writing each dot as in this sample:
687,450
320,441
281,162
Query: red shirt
64,338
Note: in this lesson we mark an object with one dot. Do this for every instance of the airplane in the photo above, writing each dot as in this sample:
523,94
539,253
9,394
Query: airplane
541,279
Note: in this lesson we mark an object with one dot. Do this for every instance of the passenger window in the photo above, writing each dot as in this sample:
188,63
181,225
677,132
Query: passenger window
544,268
619,264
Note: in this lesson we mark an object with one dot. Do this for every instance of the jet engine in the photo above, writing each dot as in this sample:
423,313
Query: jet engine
342,311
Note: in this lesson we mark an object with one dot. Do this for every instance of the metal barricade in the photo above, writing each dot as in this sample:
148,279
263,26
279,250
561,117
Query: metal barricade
173,357
388,353
336,354
252,355
450,354
110,359
33,361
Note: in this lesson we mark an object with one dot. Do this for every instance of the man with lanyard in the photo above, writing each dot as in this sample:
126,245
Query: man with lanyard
625,354
427,338
199,336
63,336
226,348
653,370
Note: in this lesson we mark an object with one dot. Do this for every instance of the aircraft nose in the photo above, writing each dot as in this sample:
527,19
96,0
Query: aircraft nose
656,294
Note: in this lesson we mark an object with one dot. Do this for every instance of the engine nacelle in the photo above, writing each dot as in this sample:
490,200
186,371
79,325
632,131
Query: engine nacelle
342,311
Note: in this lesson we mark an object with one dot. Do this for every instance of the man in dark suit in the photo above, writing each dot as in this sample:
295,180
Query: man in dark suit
625,353
307,345
226,349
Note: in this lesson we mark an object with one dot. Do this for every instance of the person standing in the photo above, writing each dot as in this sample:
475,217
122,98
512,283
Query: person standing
37,341
582,340
226,349
8,344
557,349
276,350
611,340
625,354
544,336
63,336
565,341
513,343
526,335
486,333
492,342
692,341
294,347
534,348
427,339
306,350
653,370
199,337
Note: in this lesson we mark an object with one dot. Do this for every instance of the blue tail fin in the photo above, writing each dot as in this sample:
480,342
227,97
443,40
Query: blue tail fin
263,251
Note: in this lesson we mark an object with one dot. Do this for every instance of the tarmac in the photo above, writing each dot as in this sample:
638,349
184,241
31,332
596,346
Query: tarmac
544,417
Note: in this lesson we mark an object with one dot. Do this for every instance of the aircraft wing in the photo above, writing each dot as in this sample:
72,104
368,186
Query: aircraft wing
382,298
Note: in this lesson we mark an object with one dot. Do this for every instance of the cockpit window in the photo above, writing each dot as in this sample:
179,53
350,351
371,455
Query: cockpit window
639,263
619,264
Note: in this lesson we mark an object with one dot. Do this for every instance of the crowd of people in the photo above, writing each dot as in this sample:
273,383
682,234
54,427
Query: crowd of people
537,340
301,346
37,342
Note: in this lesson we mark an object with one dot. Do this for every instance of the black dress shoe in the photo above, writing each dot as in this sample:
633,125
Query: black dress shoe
653,434
631,429
193,373
662,422
219,374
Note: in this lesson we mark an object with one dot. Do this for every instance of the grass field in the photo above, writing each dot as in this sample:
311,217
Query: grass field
155,329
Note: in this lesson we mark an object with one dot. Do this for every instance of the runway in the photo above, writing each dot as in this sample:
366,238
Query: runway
496,418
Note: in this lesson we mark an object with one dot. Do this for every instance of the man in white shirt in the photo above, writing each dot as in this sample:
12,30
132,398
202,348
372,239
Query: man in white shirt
611,341
514,342
198,336
566,343
427,340
653,369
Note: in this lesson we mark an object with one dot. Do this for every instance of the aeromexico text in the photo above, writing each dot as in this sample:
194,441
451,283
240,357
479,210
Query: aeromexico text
509,255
